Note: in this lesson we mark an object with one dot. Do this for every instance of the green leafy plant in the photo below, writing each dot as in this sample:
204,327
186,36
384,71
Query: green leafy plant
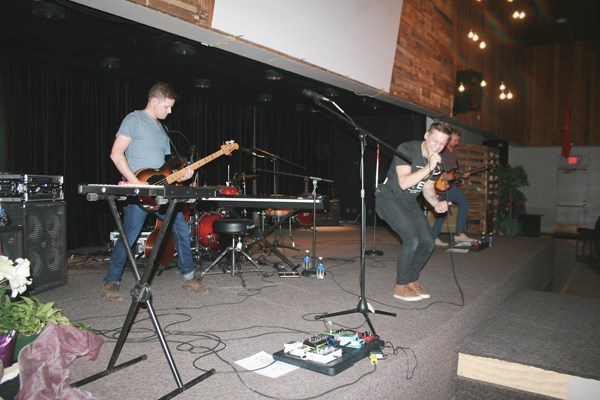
26,315
511,201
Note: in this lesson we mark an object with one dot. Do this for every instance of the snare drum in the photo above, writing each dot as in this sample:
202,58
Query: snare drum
277,212
206,237
229,191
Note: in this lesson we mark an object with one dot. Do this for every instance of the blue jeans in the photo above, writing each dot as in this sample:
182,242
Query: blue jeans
407,219
133,222
456,196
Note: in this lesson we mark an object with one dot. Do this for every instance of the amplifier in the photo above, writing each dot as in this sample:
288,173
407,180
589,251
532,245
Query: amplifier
138,250
25,187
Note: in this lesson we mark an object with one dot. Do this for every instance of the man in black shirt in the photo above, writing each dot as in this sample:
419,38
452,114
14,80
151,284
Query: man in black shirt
396,203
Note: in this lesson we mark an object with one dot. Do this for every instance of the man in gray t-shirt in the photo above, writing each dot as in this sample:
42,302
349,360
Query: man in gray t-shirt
141,143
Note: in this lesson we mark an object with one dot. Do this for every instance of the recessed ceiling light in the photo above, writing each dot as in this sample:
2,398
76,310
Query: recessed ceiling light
110,63
183,49
329,92
45,9
265,98
273,75
203,83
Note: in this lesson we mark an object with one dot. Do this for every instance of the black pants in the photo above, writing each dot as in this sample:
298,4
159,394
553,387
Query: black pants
406,218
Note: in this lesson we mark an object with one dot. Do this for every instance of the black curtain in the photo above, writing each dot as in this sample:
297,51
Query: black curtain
58,119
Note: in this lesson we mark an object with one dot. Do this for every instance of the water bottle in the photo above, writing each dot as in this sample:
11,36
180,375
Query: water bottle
491,239
483,240
306,265
320,269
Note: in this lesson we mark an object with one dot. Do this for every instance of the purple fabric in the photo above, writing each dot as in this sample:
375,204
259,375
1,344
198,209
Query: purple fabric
43,363
7,349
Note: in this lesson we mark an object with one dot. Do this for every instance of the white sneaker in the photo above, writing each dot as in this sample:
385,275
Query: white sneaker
440,243
461,237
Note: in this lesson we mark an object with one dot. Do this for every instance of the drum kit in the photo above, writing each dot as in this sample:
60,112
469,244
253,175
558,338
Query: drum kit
200,220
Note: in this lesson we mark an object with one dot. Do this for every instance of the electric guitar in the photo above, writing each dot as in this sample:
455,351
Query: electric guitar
165,175
446,179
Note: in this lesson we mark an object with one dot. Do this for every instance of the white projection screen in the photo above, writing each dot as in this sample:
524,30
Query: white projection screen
353,38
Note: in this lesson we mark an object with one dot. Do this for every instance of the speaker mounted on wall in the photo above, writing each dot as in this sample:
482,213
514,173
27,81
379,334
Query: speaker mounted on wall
470,98
44,230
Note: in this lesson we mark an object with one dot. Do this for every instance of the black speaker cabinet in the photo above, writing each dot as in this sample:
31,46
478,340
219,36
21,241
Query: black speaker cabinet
11,239
44,227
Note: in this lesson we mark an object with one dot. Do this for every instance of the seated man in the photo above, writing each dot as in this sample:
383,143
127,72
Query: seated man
453,195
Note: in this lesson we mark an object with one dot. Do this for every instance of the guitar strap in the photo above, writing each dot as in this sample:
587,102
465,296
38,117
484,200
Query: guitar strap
170,141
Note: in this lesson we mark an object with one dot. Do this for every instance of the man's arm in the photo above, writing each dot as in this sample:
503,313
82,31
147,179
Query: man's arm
408,179
117,155
430,195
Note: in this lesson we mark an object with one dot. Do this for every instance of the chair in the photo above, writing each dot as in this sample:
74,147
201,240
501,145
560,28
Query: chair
588,242
238,229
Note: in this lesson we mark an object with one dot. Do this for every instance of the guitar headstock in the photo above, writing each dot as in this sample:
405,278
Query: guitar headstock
229,146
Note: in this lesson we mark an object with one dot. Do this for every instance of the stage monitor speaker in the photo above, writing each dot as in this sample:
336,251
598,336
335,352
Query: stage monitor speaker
470,98
11,239
501,145
44,226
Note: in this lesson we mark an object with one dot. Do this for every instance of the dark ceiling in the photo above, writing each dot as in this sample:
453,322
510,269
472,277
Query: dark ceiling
86,36
546,22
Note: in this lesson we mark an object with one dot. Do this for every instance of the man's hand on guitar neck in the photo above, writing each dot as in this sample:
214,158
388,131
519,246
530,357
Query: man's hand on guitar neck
188,174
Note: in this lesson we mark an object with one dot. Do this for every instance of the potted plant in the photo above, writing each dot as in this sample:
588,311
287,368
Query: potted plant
511,201
21,317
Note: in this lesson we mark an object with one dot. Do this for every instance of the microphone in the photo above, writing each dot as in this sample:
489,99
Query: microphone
314,95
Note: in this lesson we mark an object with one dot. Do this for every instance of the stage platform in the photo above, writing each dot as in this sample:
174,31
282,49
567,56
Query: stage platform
536,346
234,322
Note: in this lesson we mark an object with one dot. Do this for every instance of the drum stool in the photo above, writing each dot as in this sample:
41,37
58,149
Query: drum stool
238,228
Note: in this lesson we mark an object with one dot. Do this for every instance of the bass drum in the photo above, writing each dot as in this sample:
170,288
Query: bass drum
206,237
305,218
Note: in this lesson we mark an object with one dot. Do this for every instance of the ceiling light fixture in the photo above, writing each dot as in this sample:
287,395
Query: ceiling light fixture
331,93
45,9
110,63
265,98
273,75
203,83
183,49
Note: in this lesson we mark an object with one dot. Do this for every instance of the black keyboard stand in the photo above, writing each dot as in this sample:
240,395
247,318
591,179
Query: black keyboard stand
141,293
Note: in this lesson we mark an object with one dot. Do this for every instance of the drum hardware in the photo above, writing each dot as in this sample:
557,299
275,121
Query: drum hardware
238,229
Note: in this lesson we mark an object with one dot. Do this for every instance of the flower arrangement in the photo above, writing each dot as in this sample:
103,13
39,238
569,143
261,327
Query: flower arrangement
25,315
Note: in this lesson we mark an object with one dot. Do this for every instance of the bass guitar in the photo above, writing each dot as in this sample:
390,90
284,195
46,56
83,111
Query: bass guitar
446,179
165,175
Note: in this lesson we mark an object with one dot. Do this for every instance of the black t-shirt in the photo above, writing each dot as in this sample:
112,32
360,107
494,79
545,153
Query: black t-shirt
412,150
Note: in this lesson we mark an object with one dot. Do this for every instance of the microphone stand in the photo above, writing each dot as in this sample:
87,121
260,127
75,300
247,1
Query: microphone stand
314,209
363,307
275,159
374,251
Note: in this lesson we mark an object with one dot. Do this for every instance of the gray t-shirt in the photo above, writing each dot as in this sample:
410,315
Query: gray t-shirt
149,142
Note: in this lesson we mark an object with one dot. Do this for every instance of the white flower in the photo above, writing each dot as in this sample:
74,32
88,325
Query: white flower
17,275
20,280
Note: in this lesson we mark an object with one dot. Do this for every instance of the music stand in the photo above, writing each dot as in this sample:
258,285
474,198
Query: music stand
141,293
363,307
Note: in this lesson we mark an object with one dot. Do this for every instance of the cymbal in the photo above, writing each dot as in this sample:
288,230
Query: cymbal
244,177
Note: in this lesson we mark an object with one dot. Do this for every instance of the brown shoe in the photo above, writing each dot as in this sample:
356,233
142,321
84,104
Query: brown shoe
110,291
194,285
404,292
418,289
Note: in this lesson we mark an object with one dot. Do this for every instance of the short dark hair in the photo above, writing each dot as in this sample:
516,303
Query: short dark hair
161,91
441,126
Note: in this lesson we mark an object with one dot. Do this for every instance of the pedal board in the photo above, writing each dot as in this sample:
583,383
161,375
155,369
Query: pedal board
330,352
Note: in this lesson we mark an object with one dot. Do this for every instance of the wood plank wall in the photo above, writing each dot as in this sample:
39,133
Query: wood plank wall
433,45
